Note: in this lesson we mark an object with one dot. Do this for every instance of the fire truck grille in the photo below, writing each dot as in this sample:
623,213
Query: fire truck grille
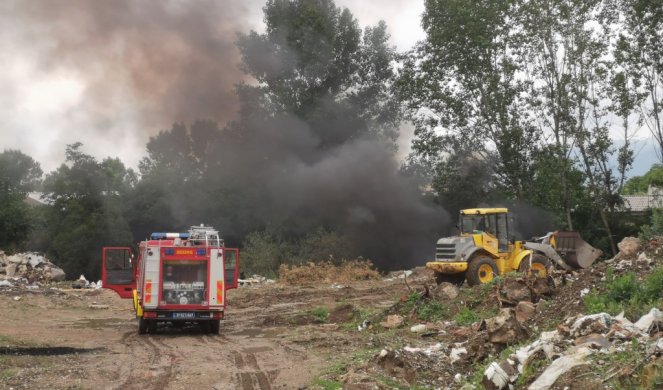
445,252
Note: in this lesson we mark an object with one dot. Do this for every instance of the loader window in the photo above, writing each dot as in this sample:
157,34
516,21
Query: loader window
503,232
184,282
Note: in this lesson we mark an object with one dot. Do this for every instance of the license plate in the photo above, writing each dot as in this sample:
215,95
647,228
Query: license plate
184,315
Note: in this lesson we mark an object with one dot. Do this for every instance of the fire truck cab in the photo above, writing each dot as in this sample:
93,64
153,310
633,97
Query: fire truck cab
176,278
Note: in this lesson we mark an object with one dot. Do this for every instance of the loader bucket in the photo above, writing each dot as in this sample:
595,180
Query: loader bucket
574,250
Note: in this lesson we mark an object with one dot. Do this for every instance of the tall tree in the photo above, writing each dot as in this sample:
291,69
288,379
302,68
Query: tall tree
87,210
460,84
19,174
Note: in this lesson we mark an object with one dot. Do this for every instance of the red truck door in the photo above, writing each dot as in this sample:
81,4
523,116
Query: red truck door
117,271
231,267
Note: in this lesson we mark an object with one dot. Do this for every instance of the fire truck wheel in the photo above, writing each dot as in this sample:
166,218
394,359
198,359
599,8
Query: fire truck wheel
142,325
482,269
152,326
204,326
215,325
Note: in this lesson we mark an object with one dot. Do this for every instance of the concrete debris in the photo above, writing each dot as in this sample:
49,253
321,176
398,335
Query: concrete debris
629,246
418,328
31,266
650,321
498,376
524,311
445,291
516,290
545,343
392,321
584,292
559,367
643,258
456,353
593,340
505,328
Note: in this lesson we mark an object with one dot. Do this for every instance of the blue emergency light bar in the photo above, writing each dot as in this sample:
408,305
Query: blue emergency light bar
161,236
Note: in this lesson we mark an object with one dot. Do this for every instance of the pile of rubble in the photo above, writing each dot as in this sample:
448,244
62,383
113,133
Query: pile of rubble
573,342
30,266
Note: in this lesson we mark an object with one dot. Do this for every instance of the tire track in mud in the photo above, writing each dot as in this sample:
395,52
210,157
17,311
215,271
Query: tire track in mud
160,358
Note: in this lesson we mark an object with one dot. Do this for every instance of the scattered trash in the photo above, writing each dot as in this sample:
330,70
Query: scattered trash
651,320
435,349
584,292
17,298
559,367
6,283
418,328
455,354
364,325
98,306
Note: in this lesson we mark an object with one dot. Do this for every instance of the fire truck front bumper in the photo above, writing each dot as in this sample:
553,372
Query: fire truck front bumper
183,315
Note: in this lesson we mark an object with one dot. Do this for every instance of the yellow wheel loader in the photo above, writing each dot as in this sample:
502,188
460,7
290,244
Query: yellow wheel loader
483,250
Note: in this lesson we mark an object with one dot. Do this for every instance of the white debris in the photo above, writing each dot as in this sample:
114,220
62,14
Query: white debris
405,274
458,377
432,350
337,286
589,324
497,375
545,343
418,328
455,354
383,353
363,325
559,367
584,292
6,283
17,298
650,320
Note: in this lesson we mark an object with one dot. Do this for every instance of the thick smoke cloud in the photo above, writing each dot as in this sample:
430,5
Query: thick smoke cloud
134,66
143,65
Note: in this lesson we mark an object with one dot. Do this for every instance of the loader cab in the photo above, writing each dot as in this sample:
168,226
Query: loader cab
494,222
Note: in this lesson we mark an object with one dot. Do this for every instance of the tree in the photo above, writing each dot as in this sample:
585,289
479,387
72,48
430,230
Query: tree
460,84
19,174
314,63
87,210
640,54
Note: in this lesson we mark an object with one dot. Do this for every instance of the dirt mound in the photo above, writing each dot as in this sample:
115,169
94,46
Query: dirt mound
327,272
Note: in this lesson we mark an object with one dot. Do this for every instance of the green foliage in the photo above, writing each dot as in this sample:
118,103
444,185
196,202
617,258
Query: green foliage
320,313
647,232
627,293
638,185
466,317
425,309
326,384
88,210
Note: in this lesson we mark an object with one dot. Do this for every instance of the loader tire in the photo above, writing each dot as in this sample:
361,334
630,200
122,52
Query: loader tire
455,279
481,270
142,325
540,265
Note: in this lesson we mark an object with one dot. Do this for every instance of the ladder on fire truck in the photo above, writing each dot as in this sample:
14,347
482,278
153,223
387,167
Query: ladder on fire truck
206,235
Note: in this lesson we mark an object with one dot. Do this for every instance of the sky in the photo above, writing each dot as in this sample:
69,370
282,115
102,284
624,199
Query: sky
112,74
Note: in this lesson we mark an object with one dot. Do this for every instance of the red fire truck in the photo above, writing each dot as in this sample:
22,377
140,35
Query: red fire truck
176,278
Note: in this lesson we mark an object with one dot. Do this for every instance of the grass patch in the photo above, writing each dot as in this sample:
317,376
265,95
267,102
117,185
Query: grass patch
627,293
327,384
320,313
7,373
466,317
425,309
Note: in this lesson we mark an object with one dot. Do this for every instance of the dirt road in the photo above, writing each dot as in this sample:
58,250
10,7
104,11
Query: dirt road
55,339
